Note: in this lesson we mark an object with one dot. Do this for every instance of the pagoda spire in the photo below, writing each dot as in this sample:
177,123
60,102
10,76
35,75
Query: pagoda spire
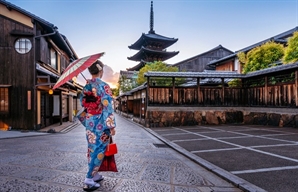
151,19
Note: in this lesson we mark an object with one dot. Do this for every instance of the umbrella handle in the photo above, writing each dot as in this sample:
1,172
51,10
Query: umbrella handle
84,76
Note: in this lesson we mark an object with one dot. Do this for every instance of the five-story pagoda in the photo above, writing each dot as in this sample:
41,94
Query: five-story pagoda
151,47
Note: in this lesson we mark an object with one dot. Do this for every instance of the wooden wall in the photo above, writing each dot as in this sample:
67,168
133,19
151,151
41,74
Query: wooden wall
227,66
199,63
16,70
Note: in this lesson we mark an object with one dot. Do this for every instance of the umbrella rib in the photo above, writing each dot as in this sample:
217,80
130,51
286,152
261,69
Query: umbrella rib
77,67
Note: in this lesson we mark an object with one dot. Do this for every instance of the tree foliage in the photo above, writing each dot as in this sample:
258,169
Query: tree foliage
291,51
115,91
235,83
155,66
263,56
241,57
125,84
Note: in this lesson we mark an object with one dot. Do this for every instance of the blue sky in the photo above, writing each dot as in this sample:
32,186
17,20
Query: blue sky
110,26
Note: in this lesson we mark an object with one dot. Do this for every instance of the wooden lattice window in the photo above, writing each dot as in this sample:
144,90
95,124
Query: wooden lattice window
4,100
23,45
54,58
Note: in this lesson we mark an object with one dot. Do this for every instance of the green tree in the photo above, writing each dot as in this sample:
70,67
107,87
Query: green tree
124,84
291,51
235,83
263,56
115,91
241,57
155,66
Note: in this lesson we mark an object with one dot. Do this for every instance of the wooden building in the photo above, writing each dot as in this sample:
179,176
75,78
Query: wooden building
200,62
265,97
33,56
231,62
151,47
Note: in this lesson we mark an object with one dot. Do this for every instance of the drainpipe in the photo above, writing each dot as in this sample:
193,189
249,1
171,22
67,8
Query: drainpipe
34,72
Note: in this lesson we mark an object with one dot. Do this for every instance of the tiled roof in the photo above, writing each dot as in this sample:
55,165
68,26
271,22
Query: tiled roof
222,74
280,38
205,81
12,6
128,74
201,54
165,54
157,36
209,74
152,36
272,69
141,87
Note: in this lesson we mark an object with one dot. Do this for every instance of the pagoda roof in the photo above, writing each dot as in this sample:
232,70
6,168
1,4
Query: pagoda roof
152,37
163,55
137,67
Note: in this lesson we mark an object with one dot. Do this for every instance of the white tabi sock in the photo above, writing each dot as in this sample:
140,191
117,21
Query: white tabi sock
97,176
89,181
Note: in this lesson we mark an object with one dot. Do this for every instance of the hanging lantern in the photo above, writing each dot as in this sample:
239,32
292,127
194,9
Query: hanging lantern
51,91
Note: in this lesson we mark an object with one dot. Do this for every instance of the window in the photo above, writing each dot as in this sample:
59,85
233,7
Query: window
54,59
4,100
23,45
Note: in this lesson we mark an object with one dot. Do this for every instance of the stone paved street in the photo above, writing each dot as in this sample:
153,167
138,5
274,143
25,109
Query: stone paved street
54,162
264,156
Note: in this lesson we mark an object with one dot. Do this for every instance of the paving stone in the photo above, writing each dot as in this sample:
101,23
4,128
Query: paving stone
37,174
74,165
28,162
141,186
10,169
228,189
156,156
128,157
54,153
80,148
73,190
16,185
157,173
186,176
72,179
163,162
188,189
126,171
108,184
8,158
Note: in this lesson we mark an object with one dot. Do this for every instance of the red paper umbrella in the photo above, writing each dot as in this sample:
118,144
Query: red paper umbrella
76,67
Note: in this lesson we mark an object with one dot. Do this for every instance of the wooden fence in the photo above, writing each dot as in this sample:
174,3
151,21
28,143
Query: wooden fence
273,88
282,95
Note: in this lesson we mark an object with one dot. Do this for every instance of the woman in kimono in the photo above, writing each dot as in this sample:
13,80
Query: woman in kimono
99,122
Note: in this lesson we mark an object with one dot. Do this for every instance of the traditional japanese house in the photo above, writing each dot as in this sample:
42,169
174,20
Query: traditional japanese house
200,62
151,47
266,97
33,56
231,62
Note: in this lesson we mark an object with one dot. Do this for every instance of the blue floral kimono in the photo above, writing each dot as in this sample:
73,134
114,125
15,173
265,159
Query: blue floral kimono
98,119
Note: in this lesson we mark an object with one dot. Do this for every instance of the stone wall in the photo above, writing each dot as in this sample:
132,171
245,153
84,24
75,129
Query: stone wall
183,116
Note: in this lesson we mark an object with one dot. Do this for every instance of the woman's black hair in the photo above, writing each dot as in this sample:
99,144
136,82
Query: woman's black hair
94,68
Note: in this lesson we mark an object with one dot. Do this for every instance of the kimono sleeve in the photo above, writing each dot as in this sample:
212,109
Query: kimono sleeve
107,110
